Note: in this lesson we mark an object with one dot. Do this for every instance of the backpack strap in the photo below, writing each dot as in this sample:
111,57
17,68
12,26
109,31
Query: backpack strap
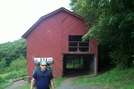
48,72
38,74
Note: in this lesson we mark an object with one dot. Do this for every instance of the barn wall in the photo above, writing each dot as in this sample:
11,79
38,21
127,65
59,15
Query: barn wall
94,50
71,26
45,41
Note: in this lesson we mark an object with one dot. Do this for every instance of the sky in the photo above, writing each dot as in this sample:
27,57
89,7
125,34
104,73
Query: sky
17,16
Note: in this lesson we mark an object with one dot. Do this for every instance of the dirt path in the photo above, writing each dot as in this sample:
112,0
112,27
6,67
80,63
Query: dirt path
17,84
65,85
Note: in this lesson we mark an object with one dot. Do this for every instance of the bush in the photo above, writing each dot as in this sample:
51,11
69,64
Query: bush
122,58
2,78
17,64
3,66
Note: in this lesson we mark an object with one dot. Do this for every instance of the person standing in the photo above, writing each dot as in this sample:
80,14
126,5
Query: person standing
42,78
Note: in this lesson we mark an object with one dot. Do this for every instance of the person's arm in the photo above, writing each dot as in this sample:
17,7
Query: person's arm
52,84
32,83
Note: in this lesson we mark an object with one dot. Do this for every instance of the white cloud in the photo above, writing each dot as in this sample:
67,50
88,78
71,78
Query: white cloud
17,16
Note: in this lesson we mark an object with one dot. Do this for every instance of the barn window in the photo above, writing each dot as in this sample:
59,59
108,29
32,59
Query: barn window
77,45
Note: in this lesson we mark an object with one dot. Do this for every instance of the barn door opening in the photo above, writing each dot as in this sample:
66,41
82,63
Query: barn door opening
78,64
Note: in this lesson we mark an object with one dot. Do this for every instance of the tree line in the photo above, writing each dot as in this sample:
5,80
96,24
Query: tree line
112,25
11,51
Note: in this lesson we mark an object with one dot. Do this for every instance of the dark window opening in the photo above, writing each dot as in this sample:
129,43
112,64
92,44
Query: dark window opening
76,44
78,64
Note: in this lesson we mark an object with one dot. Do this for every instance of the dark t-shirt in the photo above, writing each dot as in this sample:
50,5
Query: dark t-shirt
44,78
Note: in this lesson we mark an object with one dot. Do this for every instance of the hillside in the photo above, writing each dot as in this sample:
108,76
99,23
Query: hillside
12,50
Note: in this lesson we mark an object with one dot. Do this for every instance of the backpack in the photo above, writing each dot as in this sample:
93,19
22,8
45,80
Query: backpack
49,67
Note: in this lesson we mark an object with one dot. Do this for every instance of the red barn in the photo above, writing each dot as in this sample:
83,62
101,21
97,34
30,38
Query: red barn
59,35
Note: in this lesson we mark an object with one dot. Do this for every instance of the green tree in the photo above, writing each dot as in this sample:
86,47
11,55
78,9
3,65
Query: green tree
2,65
113,27
87,13
19,63
12,50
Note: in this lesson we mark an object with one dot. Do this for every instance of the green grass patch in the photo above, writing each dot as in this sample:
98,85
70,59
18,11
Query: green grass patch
57,81
5,84
114,79
4,78
26,86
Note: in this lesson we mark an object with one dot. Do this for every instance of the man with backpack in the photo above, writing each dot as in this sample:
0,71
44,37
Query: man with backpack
42,78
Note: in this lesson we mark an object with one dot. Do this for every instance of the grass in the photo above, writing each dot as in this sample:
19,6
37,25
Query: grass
74,63
4,78
5,84
16,69
57,82
114,79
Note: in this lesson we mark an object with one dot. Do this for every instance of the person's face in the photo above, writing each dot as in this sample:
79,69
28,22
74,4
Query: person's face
43,67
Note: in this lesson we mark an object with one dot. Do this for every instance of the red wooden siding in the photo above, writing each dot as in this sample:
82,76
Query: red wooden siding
71,26
44,41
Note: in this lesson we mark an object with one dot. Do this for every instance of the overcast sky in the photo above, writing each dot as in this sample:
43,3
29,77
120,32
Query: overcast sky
17,16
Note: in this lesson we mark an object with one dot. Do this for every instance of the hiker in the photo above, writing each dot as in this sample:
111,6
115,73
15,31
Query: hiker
42,78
